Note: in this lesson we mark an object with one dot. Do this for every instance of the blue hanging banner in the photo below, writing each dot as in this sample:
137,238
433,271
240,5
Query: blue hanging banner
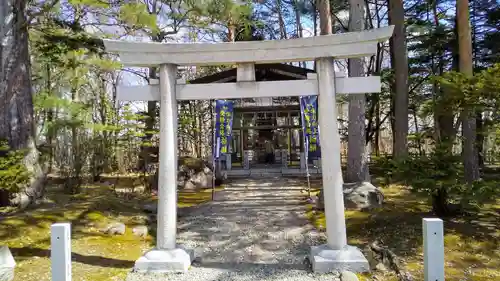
310,130
223,126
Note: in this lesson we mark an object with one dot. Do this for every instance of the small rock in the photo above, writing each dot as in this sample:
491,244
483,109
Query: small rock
406,276
141,231
44,201
150,208
116,228
381,267
336,275
139,219
107,183
348,276
189,186
152,218
196,261
139,189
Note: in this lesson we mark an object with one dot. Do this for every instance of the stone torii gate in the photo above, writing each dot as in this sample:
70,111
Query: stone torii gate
336,254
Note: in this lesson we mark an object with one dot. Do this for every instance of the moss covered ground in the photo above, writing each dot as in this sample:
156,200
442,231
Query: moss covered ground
96,256
472,242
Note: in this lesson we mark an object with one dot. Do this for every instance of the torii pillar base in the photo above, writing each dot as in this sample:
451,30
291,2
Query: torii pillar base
165,261
324,259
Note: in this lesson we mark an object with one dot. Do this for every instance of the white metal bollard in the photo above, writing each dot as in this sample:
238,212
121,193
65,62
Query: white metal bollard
246,159
7,264
228,161
284,158
433,249
303,162
60,251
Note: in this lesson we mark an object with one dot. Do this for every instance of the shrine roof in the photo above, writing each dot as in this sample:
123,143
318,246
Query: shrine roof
263,72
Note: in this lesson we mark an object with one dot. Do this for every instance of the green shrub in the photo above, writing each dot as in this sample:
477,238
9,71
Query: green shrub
13,173
428,173
438,175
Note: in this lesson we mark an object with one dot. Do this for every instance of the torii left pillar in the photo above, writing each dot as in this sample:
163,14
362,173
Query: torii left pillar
167,256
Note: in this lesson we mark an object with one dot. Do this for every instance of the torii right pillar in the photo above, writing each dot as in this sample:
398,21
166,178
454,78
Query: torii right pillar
336,255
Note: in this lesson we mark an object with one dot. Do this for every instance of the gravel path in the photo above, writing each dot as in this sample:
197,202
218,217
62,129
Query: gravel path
256,229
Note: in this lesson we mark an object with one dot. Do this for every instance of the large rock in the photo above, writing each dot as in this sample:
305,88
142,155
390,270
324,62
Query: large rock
116,228
203,179
362,195
359,196
193,174
140,230
150,208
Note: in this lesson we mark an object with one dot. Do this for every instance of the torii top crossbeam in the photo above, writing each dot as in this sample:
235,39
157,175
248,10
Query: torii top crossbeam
344,45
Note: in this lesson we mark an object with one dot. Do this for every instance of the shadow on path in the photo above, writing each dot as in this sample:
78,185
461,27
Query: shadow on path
28,252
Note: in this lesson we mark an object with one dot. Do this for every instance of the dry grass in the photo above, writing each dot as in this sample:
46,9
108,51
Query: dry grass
472,243
96,256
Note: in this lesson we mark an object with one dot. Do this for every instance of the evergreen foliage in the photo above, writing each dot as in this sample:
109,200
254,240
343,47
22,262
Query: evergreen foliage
13,173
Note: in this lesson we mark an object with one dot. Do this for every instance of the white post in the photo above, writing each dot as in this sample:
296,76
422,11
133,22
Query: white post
228,162
303,161
60,251
433,249
284,158
7,264
246,159
167,185
330,147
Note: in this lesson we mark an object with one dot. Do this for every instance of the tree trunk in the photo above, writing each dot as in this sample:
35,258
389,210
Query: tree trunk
480,135
399,62
74,181
145,158
101,154
417,132
357,150
443,115
315,4
299,29
377,126
471,169
325,17
480,126
17,124
50,119
281,20
440,204
199,128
